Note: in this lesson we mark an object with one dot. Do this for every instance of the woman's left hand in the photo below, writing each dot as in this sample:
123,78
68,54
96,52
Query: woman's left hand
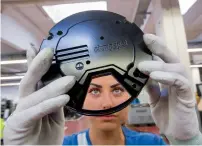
173,108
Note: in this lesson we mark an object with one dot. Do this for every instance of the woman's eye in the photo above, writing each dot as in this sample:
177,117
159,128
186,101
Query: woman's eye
118,91
95,91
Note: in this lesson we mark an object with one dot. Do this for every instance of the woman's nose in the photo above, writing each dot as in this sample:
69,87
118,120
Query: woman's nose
107,102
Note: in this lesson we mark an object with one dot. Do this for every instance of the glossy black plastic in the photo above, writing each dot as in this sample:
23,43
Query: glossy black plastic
97,43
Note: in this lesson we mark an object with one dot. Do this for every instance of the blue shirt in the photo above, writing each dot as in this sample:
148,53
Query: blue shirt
131,138
135,101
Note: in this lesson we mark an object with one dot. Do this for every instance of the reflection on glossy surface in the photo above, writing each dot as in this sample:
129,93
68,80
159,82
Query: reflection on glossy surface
105,92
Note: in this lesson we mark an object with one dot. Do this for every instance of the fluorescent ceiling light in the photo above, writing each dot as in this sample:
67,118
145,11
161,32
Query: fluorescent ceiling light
9,84
59,12
13,62
11,77
199,65
185,5
195,50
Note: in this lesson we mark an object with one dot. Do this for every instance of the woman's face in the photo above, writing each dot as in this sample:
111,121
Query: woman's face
104,93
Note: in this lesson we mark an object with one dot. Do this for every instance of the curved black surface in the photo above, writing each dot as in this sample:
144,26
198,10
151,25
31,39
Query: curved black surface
97,43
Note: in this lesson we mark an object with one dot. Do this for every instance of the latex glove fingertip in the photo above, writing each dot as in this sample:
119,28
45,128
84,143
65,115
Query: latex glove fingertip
149,39
141,67
47,52
66,98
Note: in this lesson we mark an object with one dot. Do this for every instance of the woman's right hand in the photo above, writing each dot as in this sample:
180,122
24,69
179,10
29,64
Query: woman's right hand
39,118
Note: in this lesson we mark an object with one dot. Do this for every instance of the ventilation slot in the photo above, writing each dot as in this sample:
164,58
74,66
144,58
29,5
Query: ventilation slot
72,54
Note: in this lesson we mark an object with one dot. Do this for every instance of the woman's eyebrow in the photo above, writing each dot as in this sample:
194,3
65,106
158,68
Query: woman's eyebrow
98,86
117,84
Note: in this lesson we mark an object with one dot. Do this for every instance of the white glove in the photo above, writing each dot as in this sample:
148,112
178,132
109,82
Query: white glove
39,118
173,108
